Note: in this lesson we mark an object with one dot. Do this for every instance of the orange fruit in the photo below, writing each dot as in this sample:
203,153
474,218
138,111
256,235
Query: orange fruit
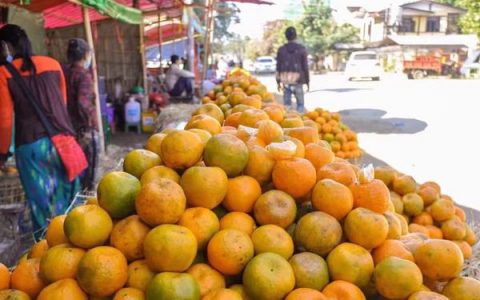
300,151
352,263
462,288
137,161
202,222
412,204
460,213
60,262
102,271
373,195
154,143
222,294
129,294
385,174
333,198
292,122
394,225
128,236
269,131
26,277
181,149
240,108
318,232
391,248
282,151
418,228
442,210
423,219
470,237
434,232
431,252
397,278
343,290
233,119
465,248
63,289
229,251
204,122
318,155
366,228
403,223
252,116
88,226
404,184
139,275
211,110
340,172
207,278
426,295
226,152
413,240
204,186
38,249
161,202
454,229
242,193
239,221
310,270
268,270
274,239
255,102
432,184
169,285
204,135
254,141
170,248
397,202
116,193
154,174
296,177
305,294
240,289
429,194
11,294
55,235
275,207
275,113
4,277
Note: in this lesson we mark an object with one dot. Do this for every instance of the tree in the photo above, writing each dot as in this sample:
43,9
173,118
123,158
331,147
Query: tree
470,22
227,13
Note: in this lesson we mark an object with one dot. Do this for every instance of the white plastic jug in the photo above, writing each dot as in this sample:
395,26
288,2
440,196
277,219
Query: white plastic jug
132,111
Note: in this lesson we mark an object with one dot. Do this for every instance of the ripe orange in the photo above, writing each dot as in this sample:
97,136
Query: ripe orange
462,288
63,289
252,116
55,235
26,277
170,248
426,295
204,186
351,263
296,177
366,228
304,134
88,226
333,198
226,152
397,202
318,155
340,172
128,236
275,113
154,143
239,221
233,120
60,262
454,229
204,122
429,194
169,285
282,151
300,151
139,275
181,149
385,174
275,207
204,135
269,131
318,232
292,122
373,195
460,213
272,238
265,271
240,289
207,278
434,232
161,202
431,252
137,161
391,248
432,184
465,248
211,110
202,222
423,219
442,210
229,251
305,294
116,193
9,294
418,228
310,270
4,277
412,204
404,184
242,193
154,174
470,237
38,249
397,278
394,225
343,290
129,294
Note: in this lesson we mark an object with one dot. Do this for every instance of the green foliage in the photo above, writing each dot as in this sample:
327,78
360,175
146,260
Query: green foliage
227,13
470,22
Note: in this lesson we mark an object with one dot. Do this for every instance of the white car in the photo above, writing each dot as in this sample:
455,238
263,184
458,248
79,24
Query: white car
265,64
471,66
363,64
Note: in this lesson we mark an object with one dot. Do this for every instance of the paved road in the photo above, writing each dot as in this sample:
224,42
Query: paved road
429,128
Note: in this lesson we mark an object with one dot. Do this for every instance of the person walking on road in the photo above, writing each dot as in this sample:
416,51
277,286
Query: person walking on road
292,70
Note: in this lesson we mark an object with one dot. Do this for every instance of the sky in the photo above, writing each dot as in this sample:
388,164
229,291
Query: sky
253,17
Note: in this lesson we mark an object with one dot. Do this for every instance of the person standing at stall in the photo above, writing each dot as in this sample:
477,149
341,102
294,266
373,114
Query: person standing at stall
292,70
81,104
46,181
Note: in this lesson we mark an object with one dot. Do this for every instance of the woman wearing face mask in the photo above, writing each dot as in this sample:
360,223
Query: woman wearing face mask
81,104
45,181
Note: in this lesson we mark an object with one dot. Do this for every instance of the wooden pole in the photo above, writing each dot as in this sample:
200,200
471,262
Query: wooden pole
143,58
206,43
89,38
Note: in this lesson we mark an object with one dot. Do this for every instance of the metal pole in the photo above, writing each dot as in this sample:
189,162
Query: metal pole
191,41
206,42
143,58
160,39
89,38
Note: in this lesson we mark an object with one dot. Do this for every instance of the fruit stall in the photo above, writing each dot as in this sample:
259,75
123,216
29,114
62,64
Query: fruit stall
252,201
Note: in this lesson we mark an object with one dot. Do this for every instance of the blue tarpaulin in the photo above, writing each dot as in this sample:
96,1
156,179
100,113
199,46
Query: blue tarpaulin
168,49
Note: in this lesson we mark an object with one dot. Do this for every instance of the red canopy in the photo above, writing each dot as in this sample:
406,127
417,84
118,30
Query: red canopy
250,1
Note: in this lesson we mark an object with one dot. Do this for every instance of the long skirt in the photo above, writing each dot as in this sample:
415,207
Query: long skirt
43,176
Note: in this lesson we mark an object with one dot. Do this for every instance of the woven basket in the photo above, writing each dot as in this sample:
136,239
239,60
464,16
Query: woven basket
11,191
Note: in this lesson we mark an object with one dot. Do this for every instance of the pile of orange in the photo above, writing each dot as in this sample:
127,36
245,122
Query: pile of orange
260,209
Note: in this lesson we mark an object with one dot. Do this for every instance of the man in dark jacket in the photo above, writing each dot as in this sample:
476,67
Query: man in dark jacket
292,70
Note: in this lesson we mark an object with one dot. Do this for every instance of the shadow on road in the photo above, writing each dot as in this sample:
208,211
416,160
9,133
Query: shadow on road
368,120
